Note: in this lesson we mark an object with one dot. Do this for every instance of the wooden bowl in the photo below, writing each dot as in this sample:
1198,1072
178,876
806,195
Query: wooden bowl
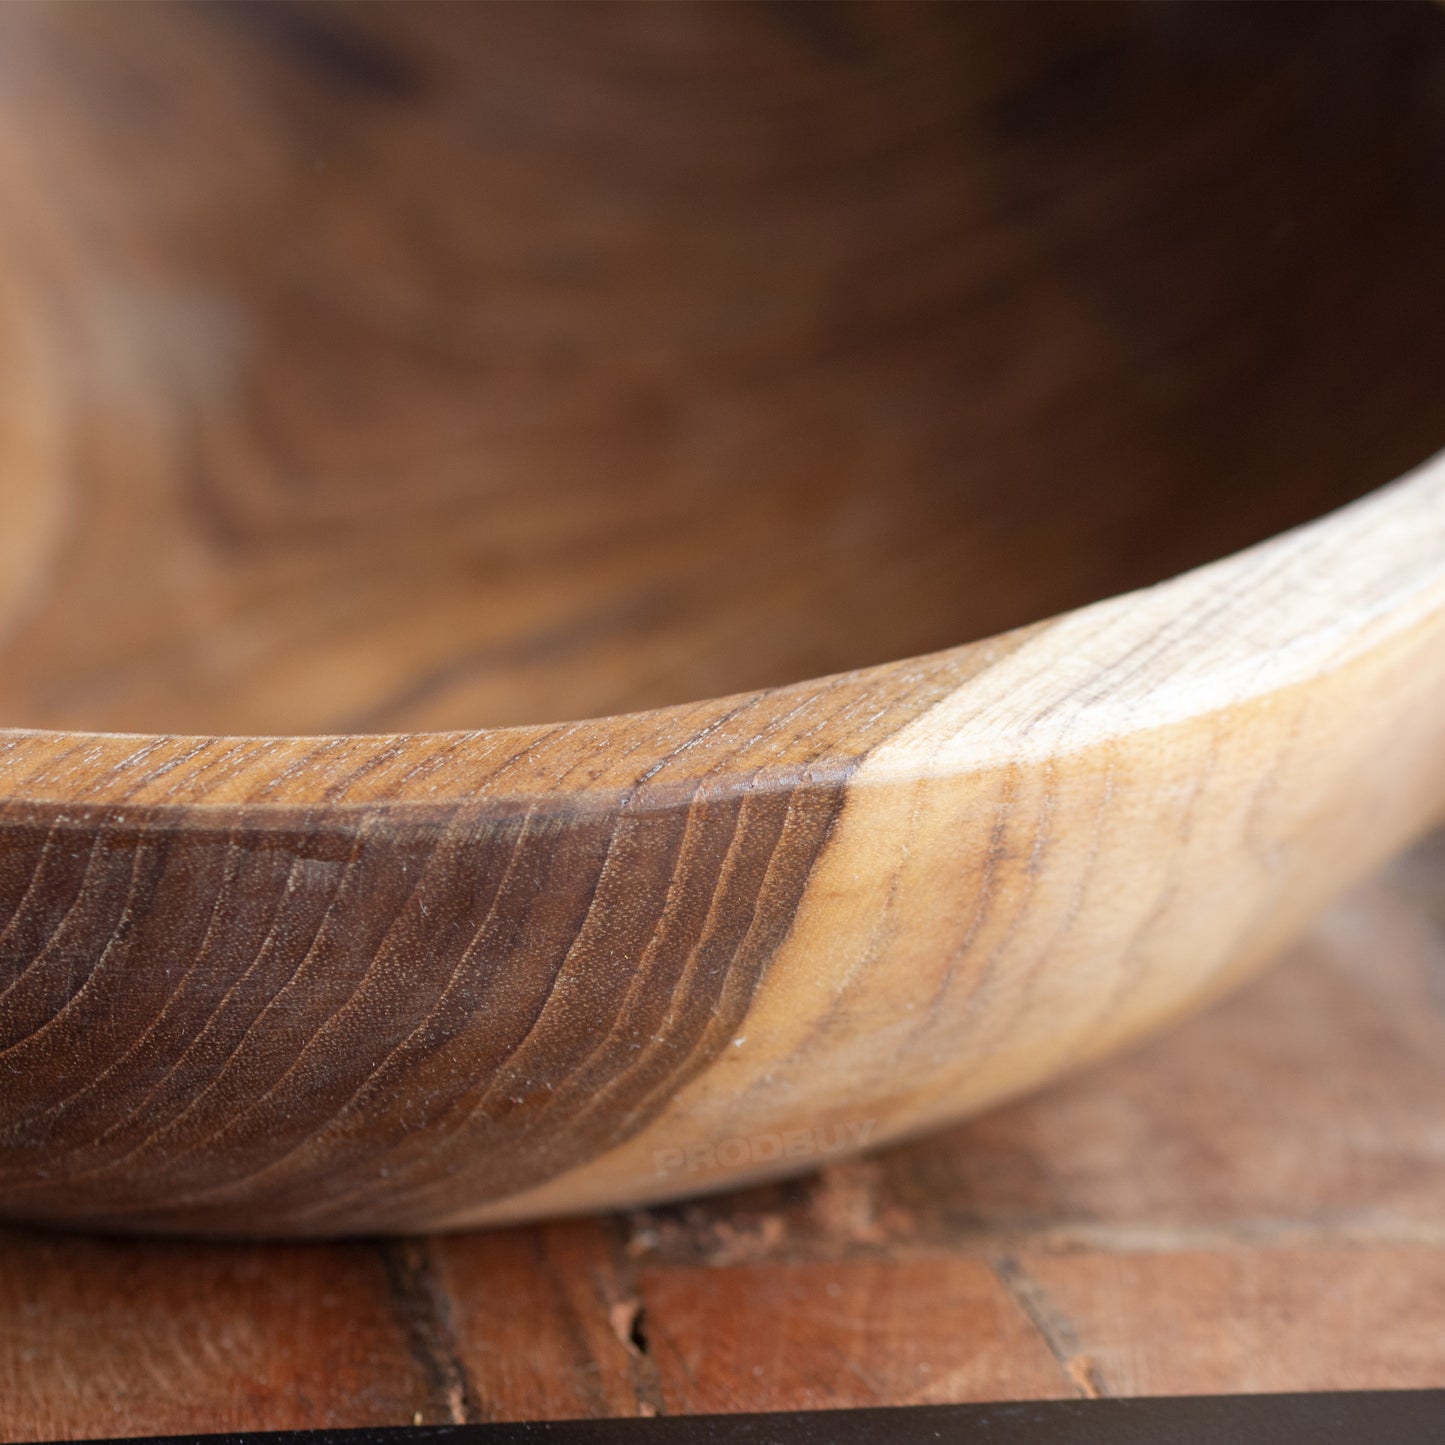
374,375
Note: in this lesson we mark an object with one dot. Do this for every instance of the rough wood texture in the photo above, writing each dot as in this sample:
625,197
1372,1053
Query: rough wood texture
416,367
1250,1203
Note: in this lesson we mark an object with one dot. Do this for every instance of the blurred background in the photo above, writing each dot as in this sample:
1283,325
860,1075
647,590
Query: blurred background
379,366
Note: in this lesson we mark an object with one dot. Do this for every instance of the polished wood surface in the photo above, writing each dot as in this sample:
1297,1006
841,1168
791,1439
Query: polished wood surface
1158,1225
378,368
426,368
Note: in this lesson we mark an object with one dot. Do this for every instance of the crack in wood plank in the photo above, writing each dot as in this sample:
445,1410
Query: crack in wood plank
424,1312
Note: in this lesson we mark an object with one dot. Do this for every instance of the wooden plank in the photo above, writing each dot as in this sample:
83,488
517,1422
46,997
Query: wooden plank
543,1323
827,1334
118,1337
1310,1317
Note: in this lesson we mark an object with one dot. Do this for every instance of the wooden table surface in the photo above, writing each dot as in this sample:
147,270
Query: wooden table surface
1250,1202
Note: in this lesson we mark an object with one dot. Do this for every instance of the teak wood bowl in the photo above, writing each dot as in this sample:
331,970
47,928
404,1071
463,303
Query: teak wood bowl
372,374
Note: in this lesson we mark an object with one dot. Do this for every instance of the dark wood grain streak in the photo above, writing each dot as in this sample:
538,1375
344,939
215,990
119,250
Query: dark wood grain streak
604,950
205,1078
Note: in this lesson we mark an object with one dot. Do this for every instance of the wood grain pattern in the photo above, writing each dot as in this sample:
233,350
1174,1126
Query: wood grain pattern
653,392
544,1323
98,1339
836,1334
1160,1223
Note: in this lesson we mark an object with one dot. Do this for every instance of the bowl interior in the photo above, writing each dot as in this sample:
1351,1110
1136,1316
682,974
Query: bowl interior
435,366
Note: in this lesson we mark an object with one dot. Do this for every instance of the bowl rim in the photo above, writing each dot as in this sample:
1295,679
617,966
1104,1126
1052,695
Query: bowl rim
1273,615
